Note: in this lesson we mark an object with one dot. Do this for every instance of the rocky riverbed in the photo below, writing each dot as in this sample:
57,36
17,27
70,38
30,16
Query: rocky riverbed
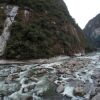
59,78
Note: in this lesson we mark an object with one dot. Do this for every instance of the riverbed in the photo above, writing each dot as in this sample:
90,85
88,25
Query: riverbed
57,78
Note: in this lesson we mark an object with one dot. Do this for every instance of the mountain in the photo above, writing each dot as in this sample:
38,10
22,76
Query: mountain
33,29
92,31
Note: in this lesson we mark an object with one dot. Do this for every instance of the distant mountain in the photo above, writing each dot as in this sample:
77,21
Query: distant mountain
40,29
92,31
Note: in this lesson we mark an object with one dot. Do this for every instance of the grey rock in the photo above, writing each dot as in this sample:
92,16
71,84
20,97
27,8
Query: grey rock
79,91
93,92
97,97
60,88
97,89
9,79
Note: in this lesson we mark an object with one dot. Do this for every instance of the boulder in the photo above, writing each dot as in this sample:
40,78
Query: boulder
97,97
34,79
79,91
60,88
95,76
93,92
97,89
64,71
17,96
9,79
61,71
24,81
98,82
25,90
28,88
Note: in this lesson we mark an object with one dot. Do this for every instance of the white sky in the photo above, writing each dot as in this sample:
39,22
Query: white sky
83,10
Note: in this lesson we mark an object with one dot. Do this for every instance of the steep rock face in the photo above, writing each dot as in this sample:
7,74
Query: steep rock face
42,29
92,31
11,12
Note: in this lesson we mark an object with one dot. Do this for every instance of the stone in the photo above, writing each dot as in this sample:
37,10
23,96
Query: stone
40,71
97,89
9,79
60,88
61,71
79,91
95,76
64,76
28,88
83,72
25,90
6,89
68,72
98,82
97,97
93,92
24,81
29,98
52,78
34,79
20,97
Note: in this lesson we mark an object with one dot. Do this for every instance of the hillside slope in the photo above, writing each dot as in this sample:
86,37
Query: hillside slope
41,29
92,31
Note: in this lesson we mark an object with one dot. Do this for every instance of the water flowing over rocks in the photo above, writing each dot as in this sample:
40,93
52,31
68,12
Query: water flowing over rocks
11,12
59,78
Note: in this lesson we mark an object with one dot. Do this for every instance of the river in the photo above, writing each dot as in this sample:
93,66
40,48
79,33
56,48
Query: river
58,78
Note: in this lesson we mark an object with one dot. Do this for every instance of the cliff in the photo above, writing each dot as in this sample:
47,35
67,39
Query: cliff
92,31
39,29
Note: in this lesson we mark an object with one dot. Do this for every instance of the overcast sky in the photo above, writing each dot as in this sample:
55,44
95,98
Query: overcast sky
83,10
